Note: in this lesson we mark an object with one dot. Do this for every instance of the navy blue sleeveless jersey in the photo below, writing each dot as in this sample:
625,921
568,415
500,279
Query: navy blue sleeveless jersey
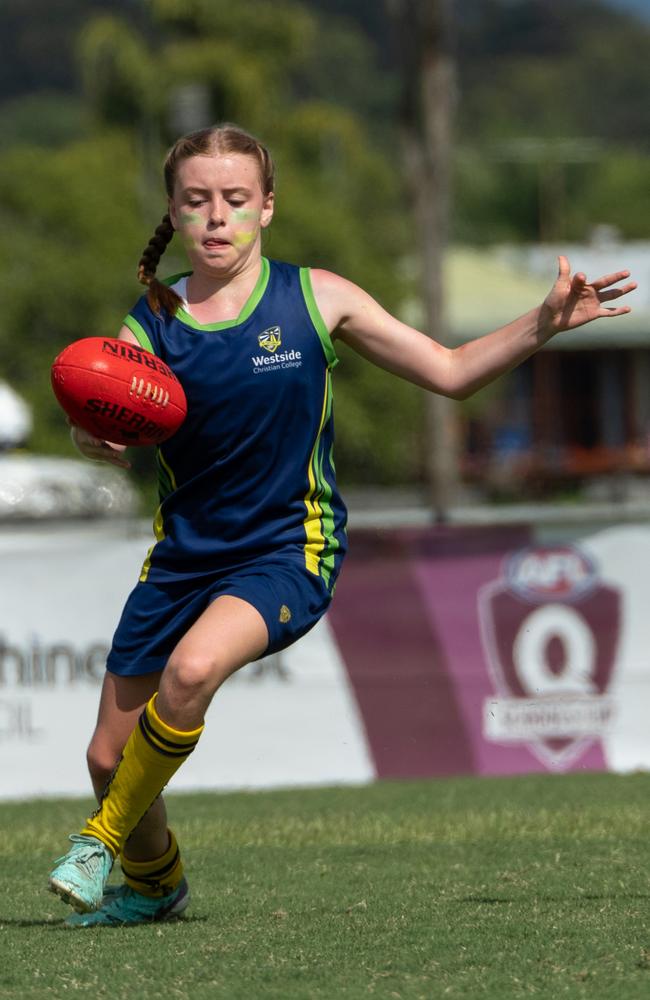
250,472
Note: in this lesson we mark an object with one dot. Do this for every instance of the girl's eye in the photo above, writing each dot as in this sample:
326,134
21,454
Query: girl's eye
195,203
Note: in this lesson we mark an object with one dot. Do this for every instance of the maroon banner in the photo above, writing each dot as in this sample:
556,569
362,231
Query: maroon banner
472,650
397,659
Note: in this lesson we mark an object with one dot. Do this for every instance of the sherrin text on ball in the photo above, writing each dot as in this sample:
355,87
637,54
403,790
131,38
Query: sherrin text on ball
118,391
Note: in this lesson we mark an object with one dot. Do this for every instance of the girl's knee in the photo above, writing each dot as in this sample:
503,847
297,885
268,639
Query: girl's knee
191,675
101,759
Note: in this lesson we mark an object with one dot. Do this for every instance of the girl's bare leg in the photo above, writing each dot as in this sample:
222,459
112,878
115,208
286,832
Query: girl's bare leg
121,703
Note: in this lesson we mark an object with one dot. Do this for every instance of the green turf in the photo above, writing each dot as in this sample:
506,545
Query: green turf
490,888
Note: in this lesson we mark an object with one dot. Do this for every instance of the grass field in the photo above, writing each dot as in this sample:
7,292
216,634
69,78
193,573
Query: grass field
534,886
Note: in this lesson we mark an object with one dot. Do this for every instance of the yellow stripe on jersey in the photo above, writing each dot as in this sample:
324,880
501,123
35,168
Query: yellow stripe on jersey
314,519
167,474
159,535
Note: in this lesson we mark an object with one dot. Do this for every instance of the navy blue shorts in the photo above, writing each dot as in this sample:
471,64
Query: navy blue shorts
156,616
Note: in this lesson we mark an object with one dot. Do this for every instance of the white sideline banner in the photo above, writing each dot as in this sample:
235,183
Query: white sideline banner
538,652
288,720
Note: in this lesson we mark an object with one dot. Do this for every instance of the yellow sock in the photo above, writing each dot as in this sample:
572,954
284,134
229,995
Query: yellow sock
157,877
152,755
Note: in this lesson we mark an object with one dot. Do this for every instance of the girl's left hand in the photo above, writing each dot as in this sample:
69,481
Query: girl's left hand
573,301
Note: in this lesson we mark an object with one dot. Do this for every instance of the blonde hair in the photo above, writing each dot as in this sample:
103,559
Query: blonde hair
225,138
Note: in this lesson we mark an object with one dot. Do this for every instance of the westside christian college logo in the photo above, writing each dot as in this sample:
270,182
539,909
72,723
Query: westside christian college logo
271,339
550,631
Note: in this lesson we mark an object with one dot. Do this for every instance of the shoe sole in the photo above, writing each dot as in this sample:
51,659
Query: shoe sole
176,911
67,895
173,914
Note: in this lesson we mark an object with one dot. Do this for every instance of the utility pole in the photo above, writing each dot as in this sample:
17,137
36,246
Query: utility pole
424,29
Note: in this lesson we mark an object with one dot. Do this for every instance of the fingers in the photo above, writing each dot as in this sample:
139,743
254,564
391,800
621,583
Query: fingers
604,291
615,293
107,454
612,279
104,453
608,311
101,451
95,449
579,280
563,267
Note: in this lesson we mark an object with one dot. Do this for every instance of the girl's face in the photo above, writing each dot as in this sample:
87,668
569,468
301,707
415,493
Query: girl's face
218,209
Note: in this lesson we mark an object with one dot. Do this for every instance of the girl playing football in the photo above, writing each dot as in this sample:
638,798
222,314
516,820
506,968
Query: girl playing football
250,532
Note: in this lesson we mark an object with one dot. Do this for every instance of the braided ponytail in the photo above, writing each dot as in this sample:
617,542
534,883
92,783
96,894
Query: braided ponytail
159,296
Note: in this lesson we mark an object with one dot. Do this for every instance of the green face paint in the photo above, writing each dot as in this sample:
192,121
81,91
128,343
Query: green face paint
190,242
249,219
244,215
243,223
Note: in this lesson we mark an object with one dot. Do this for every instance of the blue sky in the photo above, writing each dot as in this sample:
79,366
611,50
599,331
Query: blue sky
640,7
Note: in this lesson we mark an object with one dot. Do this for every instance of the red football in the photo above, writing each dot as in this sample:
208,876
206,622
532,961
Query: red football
118,392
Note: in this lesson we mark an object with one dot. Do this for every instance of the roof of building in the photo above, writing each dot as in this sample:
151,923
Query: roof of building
488,287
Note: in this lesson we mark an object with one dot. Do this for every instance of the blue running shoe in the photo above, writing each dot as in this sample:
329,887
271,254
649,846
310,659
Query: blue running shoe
123,905
80,875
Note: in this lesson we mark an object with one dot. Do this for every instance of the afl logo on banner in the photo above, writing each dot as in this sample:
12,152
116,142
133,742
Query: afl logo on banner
550,631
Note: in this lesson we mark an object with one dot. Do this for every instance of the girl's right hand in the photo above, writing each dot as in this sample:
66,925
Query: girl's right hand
97,450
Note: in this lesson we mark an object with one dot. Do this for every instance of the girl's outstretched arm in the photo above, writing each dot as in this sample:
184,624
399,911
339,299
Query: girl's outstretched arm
357,319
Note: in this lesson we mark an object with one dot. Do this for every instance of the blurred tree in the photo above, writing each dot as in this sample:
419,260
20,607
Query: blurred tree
339,202
552,96
548,69
617,194
38,39
70,231
429,91
46,119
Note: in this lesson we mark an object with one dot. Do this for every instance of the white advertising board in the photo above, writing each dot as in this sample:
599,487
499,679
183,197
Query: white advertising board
536,652
285,721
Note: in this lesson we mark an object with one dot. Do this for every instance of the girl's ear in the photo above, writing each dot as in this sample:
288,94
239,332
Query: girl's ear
267,210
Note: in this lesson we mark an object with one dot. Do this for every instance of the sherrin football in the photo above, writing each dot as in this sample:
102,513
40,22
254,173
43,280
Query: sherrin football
118,392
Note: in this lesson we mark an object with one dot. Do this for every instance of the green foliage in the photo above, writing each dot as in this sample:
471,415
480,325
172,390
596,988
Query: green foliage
494,202
43,118
70,236
118,72
38,43
552,129
616,194
258,26
553,97
99,199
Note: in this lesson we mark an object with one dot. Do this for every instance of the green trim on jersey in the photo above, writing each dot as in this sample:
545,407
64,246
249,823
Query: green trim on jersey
316,318
288,291
166,478
249,306
139,333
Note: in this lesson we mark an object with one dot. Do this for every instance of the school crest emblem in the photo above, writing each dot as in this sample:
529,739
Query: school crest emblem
270,339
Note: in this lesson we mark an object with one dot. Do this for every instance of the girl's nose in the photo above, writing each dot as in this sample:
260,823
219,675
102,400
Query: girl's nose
217,213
